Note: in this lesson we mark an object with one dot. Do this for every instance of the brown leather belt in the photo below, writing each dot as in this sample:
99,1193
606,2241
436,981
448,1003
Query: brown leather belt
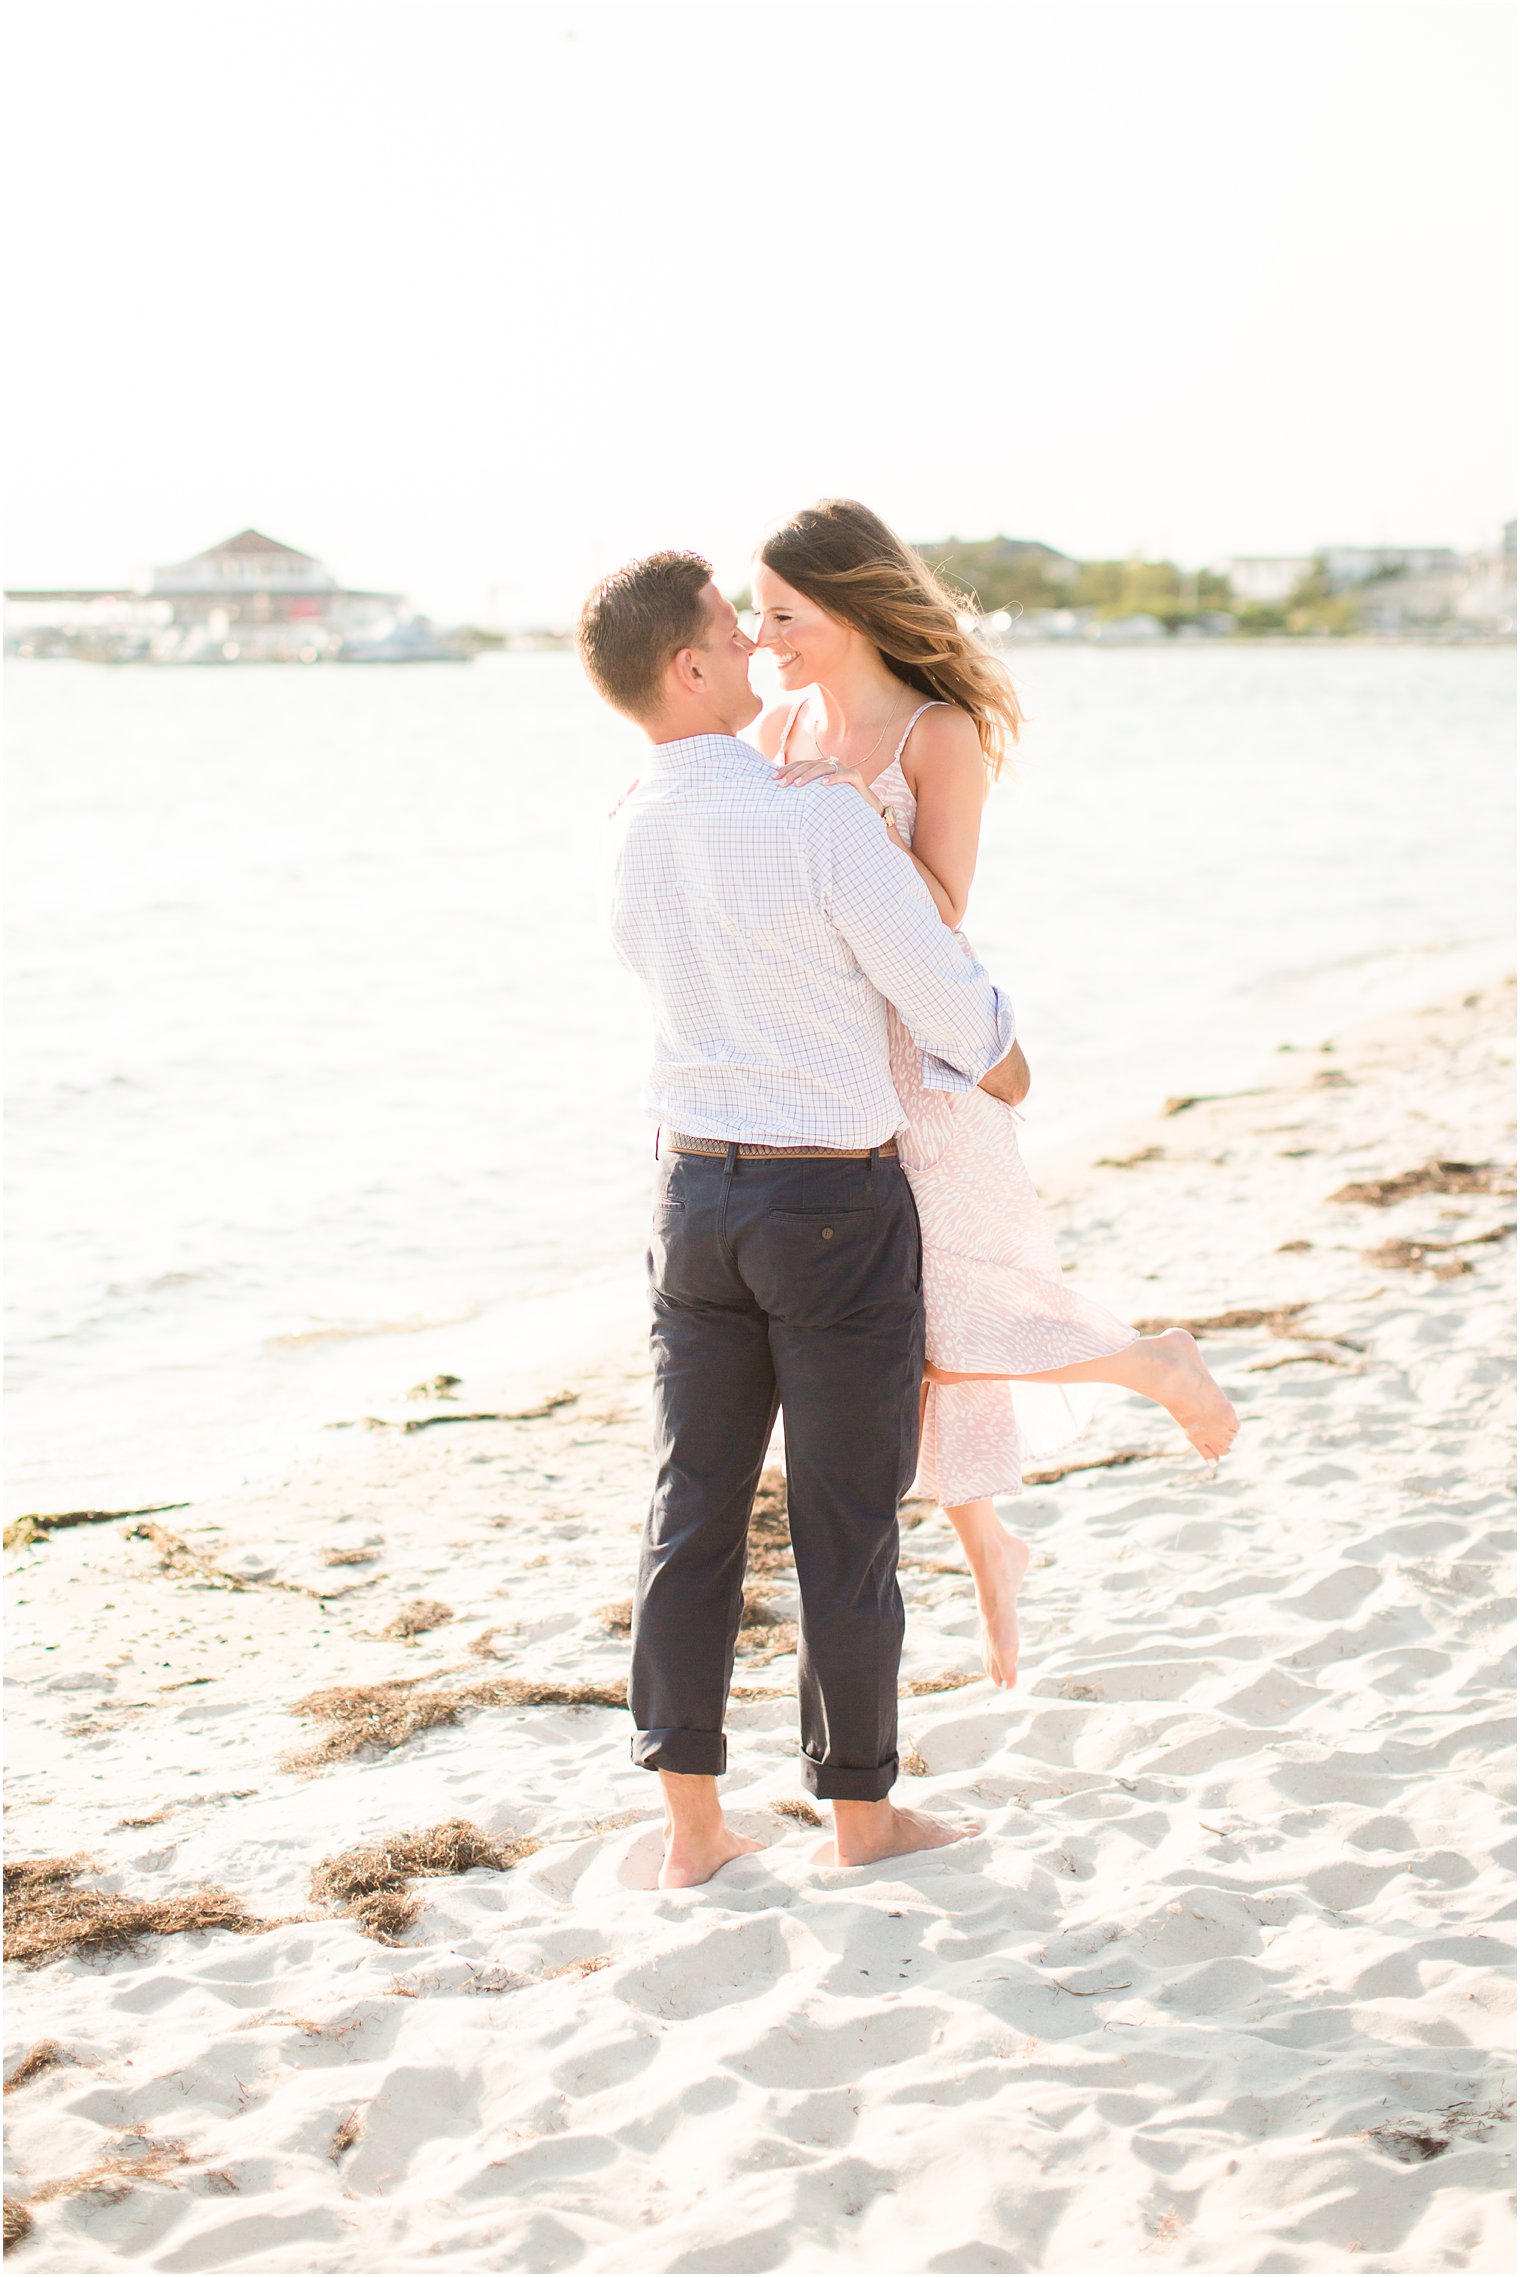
678,1142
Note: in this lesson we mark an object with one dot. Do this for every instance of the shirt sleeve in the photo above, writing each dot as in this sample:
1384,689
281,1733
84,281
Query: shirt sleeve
961,1022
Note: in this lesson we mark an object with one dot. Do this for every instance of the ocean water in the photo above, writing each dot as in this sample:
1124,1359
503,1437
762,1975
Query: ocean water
323,1077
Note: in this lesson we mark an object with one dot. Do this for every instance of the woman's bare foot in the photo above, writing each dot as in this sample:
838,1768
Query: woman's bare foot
1168,1368
997,1596
998,1562
690,1860
865,1833
1188,1392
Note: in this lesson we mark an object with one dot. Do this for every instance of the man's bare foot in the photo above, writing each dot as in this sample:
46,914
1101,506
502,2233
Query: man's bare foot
865,1833
999,1579
1188,1392
698,1838
690,1860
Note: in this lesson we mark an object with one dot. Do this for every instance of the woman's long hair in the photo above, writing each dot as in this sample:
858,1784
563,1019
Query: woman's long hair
844,558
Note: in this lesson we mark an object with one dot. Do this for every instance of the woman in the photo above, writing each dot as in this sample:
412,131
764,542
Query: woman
886,694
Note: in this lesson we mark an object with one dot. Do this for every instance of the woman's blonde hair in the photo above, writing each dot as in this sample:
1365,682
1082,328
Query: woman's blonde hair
844,558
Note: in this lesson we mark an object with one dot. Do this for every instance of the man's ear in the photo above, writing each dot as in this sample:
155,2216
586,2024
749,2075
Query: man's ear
689,673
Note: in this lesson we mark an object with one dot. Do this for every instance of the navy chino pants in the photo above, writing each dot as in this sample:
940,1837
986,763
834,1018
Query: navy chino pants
794,1283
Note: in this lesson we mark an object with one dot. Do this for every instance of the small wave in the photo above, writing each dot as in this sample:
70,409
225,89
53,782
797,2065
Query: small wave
418,1324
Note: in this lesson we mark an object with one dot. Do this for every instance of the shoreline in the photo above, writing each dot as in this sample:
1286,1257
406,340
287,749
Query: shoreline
518,1344
1216,1985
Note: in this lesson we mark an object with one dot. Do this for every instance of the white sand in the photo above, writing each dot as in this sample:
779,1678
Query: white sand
1220,1987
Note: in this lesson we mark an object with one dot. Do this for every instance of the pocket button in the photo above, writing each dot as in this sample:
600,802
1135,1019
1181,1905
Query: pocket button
828,1233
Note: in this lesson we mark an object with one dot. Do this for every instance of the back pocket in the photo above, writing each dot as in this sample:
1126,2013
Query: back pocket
822,1265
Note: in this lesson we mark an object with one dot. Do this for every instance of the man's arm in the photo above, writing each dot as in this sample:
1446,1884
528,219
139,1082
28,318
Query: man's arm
1009,1080
961,1022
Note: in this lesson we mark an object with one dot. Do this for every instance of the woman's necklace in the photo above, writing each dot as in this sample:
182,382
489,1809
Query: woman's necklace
859,763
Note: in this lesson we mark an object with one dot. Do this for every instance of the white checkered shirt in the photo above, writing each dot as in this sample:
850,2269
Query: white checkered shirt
772,928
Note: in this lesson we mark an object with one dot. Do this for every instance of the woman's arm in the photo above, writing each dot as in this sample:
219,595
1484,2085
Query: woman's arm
948,777
946,773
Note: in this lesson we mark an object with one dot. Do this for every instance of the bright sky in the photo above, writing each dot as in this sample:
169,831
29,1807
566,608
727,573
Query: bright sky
477,298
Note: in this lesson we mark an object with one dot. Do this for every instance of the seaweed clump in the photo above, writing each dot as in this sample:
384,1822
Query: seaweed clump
47,1917
416,1618
371,1884
1430,1178
770,1535
41,2057
386,1716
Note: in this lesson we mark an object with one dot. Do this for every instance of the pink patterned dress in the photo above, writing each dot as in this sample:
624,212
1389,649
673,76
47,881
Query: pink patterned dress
993,1294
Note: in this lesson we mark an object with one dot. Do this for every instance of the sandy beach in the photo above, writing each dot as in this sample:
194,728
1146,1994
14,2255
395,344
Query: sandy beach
1221,1986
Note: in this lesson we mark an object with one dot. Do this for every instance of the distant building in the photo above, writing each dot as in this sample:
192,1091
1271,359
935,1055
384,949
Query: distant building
1348,566
248,600
1266,576
1410,604
1486,602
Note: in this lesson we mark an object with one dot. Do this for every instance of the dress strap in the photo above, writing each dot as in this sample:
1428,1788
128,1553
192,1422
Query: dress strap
935,703
786,732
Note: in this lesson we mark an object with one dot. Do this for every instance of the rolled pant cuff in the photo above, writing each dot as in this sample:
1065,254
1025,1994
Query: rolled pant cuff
698,1754
833,1783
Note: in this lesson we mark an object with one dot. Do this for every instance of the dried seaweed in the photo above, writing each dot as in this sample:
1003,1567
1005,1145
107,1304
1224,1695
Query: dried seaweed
415,1619
1279,1319
1411,2142
36,1525
385,1716
520,1692
767,1640
493,1415
1431,1177
371,1884
1088,1463
345,2135
794,1806
948,1680
770,1536
46,1916
1298,1360
41,2057
616,1619
1180,1106
18,2222
382,1716
179,1557
1413,1256
131,2159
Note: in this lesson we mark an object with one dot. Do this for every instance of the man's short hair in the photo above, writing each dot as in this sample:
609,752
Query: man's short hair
636,621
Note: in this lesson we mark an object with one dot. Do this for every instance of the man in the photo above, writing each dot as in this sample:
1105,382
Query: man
772,929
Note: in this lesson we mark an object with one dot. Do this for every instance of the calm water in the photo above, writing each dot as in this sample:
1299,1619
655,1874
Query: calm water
324,1078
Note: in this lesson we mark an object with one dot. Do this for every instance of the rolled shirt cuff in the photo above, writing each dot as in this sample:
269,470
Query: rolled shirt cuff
938,1074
